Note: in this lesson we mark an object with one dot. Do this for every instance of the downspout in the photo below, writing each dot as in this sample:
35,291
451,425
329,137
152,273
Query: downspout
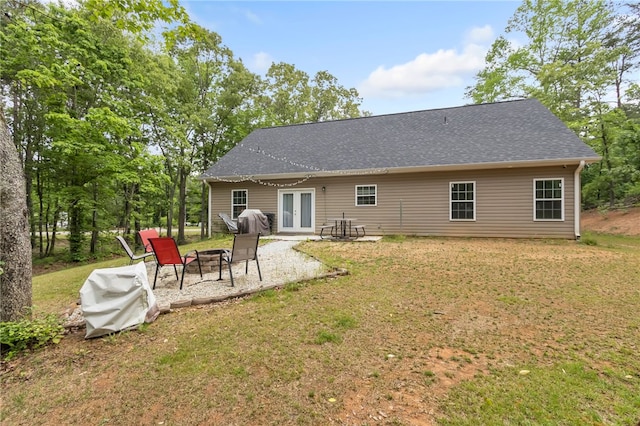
209,210
577,199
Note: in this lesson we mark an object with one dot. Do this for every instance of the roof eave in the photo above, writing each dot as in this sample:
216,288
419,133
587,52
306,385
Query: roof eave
413,169
497,165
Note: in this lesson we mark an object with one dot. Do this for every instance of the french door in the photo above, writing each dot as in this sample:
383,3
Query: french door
296,210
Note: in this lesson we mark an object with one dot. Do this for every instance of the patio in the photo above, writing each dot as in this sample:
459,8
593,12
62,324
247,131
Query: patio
279,261
280,264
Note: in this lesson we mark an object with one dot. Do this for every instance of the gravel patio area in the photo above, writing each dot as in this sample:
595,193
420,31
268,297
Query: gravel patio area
280,263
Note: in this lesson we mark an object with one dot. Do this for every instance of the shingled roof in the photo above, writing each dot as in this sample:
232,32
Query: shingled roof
504,134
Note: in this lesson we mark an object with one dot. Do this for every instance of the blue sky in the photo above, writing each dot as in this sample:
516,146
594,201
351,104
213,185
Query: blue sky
400,56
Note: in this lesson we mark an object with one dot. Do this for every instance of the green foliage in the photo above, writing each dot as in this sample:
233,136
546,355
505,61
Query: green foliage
137,16
112,127
29,334
429,377
616,179
339,323
575,55
291,97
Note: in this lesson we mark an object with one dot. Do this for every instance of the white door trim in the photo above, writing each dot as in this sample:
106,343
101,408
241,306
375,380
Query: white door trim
296,217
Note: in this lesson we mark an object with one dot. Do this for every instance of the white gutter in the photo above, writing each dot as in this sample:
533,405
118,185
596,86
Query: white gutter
577,199
209,210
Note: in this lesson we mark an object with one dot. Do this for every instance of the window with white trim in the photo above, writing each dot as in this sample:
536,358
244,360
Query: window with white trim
238,202
548,199
366,195
462,201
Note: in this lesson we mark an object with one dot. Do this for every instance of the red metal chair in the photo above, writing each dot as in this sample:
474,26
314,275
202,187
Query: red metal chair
144,235
167,253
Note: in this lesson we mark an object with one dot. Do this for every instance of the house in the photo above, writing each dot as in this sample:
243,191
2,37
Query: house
507,169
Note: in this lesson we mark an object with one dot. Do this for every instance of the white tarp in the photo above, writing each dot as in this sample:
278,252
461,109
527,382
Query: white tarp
114,299
252,221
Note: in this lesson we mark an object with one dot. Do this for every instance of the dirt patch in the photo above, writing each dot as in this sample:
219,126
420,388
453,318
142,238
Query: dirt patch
413,387
619,221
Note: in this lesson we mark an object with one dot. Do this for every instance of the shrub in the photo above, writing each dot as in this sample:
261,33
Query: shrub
29,333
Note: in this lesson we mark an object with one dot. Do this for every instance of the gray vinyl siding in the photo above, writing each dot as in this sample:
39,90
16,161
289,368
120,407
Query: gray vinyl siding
259,197
418,203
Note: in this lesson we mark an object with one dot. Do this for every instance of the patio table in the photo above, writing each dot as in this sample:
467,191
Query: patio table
342,229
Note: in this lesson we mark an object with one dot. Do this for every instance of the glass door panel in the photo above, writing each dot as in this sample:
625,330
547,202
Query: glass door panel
287,210
305,209
296,210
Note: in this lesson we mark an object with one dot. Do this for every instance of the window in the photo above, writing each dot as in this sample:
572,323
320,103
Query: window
463,201
238,202
366,195
548,199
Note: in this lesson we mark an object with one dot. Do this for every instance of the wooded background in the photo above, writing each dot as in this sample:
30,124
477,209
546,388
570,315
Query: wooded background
114,120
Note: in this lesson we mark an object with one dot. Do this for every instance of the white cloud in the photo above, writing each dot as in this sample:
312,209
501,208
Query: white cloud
480,35
252,17
430,72
260,62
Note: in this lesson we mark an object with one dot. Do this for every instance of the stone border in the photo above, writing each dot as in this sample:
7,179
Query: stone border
74,321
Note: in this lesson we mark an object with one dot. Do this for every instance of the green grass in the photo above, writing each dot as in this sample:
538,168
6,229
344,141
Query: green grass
561,394
425,330
616,242
55,291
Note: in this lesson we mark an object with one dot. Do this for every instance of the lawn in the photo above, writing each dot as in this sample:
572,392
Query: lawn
422,331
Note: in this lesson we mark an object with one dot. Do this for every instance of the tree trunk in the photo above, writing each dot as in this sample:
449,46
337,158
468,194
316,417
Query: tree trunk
24,158
182,205
125,222
170,193
76,230
94,221
15,242
606,158
42,217
56,218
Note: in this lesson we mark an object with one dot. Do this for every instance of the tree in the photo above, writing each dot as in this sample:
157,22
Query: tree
563,62
15,246
208,92
24,49
291,97
234,116
72,82
91,102
576,53
625,31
